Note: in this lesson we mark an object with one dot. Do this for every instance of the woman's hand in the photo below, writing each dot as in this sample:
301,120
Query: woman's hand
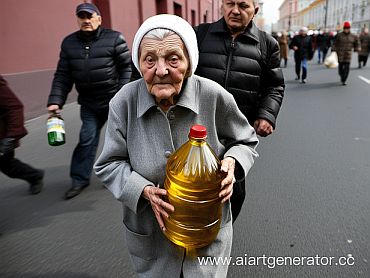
227,166
153,195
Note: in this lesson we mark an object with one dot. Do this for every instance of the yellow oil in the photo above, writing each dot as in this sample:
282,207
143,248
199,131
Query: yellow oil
193,183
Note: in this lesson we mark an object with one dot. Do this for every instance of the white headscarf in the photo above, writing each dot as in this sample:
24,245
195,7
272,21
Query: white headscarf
171,22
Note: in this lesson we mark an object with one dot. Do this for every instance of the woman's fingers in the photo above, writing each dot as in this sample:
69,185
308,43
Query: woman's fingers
226,192
228,166
159,218
159,206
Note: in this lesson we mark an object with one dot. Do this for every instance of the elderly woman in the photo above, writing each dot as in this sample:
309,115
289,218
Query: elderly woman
148,120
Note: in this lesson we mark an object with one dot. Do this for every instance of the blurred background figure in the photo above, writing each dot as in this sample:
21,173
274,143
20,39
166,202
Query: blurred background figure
11,131
284,47
344,42
303,51
323,42
365,48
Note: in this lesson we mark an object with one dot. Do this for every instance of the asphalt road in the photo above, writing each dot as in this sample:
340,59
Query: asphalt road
308,196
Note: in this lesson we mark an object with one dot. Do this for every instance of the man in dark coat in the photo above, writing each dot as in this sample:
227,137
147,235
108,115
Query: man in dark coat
344,42
246,62
323,45
98,62
11,131
303,52
363,54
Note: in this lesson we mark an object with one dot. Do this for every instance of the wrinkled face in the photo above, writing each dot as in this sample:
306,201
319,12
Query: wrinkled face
238,13
88,22
164,65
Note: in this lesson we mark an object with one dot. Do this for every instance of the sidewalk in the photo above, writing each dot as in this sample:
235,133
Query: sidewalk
33,89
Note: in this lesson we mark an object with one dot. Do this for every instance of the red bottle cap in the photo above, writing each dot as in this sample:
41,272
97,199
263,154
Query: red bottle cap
198,132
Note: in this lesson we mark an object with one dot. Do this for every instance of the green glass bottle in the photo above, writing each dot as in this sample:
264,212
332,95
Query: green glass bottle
56,131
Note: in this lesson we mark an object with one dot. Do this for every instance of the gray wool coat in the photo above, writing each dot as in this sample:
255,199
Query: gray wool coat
139,138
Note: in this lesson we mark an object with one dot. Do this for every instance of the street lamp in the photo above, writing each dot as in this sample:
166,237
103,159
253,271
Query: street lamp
326,13
290,15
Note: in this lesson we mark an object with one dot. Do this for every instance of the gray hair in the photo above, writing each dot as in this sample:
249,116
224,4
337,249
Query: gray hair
159,34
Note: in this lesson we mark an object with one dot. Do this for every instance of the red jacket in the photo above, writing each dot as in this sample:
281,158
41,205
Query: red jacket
11,113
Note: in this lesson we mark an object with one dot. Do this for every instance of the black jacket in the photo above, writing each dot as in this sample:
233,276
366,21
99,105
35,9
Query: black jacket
98,66
305,47
257,84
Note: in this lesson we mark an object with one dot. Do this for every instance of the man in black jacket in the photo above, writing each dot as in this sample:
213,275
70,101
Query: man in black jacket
303,52
98,62
246,62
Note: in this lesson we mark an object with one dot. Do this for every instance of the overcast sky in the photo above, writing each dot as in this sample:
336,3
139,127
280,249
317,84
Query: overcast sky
271,10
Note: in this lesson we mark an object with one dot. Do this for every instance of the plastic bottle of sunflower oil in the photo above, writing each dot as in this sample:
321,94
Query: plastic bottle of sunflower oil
193,183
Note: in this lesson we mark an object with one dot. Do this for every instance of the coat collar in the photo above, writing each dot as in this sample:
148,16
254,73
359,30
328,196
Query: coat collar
188,97
95,35
250,32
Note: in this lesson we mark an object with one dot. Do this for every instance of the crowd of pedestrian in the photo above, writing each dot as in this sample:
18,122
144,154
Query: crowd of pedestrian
170,79
306,43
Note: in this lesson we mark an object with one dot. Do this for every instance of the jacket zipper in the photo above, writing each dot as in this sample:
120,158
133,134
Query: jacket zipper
87,51
229,63
87,55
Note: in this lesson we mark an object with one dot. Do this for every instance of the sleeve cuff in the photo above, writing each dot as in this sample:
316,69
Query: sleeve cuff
135,201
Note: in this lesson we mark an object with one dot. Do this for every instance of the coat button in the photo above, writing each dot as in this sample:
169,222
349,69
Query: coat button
171,115
167,154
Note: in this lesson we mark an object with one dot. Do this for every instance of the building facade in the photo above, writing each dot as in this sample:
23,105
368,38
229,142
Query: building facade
32,30
288,19
355,11
321,14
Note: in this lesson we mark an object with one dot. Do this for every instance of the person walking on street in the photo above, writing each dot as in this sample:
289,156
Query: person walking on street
323,45
363,54
11,131
303,52
245,61
344,42
283,44
97,61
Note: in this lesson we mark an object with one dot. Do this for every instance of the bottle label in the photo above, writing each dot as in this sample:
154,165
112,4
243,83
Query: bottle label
55,124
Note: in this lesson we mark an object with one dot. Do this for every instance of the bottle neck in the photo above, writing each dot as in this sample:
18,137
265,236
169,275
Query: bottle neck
55,115
197,141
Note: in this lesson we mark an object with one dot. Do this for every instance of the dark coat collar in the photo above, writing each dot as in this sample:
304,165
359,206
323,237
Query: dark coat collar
250,32
95,37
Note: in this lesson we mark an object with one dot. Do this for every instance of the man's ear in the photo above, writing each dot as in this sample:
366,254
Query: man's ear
256,9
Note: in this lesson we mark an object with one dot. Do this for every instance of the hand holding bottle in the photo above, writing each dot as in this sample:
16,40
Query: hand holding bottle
54,108
153,195
227,166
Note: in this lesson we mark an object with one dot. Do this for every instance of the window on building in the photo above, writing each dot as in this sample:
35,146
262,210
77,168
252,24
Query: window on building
177,9
161,6
193,18
205,17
